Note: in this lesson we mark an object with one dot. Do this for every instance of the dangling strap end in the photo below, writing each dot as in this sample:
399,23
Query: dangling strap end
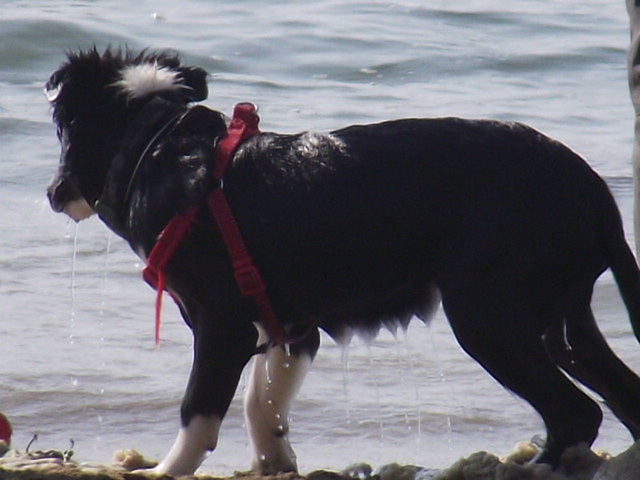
159,291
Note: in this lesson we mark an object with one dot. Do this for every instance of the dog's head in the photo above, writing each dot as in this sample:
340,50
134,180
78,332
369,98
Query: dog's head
94,97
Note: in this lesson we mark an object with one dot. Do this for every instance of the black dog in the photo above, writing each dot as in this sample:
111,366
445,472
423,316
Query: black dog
362,227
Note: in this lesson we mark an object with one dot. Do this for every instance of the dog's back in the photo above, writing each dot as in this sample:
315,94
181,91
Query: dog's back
358,224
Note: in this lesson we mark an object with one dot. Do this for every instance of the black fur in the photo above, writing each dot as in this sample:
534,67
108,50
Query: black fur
363,227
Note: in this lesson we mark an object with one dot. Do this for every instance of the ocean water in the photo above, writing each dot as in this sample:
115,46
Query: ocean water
77,356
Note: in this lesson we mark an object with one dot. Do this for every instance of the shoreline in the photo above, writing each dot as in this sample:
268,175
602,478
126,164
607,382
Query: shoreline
578,463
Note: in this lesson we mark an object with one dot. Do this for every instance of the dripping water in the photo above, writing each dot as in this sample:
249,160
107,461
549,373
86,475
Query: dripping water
267,373
287,351
344,357
409,354
72,286
442,378
101,314
403,361
72,294
377,392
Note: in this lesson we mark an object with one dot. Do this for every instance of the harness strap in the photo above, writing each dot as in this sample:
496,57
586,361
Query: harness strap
246,274
170,238
243,125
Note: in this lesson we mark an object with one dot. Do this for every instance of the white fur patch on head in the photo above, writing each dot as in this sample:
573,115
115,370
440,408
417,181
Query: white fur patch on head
146,78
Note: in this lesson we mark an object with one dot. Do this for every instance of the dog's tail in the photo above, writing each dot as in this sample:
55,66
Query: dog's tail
623,264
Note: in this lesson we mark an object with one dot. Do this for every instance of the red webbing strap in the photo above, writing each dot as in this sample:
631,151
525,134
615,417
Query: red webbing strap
170,238
243,125
246,273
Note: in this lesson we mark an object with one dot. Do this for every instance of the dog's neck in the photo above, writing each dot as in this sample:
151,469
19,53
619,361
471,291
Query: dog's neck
163,168
146,129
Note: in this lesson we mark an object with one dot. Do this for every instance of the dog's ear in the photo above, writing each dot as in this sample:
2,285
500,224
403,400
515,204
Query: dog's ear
195,79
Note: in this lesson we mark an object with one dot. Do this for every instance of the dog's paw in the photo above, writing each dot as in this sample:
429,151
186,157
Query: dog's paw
274,465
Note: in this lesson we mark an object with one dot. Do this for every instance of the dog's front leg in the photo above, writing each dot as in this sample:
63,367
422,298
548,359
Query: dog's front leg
220,354
191,446
275,379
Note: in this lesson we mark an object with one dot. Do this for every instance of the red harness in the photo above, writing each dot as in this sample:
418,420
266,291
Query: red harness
243,125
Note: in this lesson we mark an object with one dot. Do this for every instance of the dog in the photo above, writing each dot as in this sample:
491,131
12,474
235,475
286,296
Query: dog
364,227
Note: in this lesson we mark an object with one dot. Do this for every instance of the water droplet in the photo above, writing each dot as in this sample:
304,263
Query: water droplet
345,380
263,457
286,364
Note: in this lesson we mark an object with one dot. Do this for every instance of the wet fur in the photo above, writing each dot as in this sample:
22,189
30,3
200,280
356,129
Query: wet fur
362,227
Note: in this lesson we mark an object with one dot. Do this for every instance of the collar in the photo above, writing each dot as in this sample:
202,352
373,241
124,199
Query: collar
113,202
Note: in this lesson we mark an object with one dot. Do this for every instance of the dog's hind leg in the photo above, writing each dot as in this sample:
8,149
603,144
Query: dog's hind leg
506,341
276,376
580,349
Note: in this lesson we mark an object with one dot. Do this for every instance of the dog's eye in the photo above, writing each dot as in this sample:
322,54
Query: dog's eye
53,92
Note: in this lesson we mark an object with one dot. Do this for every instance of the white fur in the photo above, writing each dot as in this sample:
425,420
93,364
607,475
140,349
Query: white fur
146,78
275,379
191,446
78,209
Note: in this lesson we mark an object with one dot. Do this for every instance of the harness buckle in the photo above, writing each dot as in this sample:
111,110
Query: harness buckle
248,278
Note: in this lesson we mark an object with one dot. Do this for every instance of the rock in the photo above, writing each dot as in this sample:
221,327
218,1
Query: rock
325,475
394,471
132,460
480,465
625,466
358,471
523,453
579,463
485,466
427,474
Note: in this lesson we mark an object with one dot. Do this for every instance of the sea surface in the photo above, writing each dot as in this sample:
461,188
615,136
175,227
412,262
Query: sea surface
77,355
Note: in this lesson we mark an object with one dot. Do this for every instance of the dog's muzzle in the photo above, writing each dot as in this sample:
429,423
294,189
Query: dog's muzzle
60,193
64,196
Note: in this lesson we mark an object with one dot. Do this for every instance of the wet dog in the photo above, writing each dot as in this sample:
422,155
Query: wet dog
366,226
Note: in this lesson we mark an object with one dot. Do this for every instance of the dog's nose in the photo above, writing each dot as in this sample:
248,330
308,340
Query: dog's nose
59,194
